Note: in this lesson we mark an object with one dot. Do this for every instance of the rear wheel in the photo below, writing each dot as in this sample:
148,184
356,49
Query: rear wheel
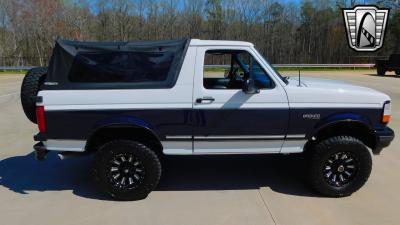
127,170
339,166
33,79
397,72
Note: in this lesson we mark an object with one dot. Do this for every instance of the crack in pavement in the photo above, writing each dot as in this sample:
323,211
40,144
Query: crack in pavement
266,206
9,94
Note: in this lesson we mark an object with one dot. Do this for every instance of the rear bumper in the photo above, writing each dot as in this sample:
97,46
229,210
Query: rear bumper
44,144
383,139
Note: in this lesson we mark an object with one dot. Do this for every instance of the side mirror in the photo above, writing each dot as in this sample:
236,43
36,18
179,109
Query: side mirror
249,87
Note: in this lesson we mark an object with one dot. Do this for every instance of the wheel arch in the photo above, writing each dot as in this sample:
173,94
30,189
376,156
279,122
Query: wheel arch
355,127
128,128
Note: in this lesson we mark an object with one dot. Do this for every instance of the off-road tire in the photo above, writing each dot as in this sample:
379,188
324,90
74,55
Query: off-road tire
381,71
33,79
328,148
104,164
397,72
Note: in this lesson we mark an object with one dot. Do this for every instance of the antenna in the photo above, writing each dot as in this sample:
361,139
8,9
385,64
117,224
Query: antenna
299,78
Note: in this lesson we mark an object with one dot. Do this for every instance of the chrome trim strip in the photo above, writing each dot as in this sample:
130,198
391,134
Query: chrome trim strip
65,145
171,137
295,136
215,146
239,137
234,153
177,147
293,146
236,137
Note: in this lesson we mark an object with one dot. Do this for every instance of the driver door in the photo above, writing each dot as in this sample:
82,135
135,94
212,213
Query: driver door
227,120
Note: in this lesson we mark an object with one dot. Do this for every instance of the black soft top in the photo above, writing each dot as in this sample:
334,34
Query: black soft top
136,64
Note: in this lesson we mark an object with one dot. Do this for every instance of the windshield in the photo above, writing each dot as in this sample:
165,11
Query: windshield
273,68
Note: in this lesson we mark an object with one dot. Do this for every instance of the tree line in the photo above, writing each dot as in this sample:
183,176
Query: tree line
308,31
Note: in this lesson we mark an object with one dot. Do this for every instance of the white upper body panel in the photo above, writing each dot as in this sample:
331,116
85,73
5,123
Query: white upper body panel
180,96
197,42
312,92
317,92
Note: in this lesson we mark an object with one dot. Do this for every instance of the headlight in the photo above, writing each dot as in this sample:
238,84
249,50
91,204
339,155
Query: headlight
387,112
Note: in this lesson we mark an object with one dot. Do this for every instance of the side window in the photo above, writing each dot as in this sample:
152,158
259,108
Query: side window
111,67
228,69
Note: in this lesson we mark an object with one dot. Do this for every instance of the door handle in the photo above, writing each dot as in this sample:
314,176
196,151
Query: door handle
205,100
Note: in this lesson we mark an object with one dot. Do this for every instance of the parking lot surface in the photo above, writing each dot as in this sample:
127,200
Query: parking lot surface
214,190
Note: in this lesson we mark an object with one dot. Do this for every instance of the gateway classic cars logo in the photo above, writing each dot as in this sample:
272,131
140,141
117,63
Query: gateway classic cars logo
365,27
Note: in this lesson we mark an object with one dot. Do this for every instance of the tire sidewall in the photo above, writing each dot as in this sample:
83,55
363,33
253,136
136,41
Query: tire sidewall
381,71
325,151
146,156
30,87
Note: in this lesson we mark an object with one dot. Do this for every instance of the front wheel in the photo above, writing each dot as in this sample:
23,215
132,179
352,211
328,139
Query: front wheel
381,71
339,166
397,72
127,170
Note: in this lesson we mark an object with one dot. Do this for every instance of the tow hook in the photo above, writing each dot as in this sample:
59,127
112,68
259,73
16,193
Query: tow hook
40,151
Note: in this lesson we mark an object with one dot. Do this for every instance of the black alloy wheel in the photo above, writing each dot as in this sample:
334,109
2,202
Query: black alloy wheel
340,169
339,166
126,169
125,172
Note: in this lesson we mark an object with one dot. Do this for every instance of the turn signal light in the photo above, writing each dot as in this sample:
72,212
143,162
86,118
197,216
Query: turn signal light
386,113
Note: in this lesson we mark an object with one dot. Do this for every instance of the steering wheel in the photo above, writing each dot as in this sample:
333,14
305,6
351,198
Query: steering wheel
232,77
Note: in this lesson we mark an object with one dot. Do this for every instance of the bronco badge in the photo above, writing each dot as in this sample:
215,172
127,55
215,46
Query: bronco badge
312,116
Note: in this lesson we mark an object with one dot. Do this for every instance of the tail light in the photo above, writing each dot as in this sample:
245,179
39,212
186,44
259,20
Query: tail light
387,112
40,118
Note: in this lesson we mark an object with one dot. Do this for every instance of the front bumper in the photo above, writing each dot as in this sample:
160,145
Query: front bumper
383,139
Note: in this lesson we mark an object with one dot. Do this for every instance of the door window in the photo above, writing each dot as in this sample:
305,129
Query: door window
228,69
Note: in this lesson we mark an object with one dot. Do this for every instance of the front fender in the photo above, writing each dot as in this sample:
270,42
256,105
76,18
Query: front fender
340,118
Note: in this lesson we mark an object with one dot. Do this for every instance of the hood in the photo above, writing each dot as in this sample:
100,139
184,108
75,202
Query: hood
328,91
328,83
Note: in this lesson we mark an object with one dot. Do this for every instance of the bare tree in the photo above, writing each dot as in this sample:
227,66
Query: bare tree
311,31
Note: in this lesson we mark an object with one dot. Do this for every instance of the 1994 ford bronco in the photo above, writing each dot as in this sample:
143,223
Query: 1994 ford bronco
130,102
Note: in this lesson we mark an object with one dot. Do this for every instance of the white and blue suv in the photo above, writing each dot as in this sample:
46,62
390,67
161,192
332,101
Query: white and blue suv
131,102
